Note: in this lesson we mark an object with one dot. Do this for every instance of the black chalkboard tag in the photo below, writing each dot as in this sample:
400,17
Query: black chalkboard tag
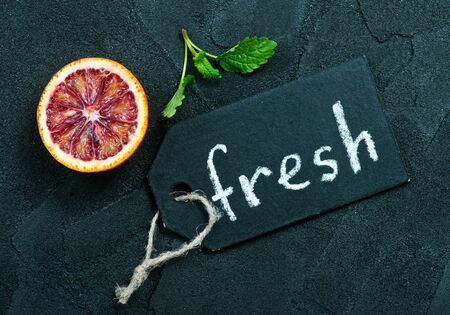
440,304
278,157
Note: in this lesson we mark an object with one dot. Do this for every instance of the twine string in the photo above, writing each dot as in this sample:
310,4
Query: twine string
142,271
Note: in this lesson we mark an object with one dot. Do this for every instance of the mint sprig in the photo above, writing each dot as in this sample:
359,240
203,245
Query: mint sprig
178,97
246,56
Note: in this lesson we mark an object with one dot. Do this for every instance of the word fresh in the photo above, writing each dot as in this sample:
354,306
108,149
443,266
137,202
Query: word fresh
289,178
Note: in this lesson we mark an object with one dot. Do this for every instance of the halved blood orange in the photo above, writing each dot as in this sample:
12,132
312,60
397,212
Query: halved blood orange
92,115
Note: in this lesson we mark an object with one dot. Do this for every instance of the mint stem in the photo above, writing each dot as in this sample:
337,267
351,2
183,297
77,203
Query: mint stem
191,45
183,73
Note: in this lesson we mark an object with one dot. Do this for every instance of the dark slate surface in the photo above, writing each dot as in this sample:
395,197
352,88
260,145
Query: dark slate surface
68,238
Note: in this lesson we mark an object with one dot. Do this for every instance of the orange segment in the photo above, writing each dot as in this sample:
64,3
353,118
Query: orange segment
77,83
65,136
106,143
121,108
92,115
82,143
121,129
113,86
65,98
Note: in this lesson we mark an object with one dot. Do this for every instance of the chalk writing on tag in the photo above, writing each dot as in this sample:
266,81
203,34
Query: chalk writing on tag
248,186
278,157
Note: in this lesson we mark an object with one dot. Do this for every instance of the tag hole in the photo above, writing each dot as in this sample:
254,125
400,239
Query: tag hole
181,186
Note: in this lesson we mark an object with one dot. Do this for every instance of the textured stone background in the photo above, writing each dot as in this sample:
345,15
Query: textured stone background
68,238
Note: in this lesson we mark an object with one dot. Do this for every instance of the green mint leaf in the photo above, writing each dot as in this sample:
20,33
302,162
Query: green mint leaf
204,66
178,97
248,55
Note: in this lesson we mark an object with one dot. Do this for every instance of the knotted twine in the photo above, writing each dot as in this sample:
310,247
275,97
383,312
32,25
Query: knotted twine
148,264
